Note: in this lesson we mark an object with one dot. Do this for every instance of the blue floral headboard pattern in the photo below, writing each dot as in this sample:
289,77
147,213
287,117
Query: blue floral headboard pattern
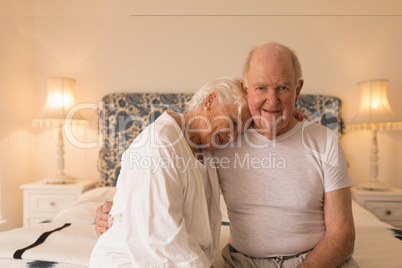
323,109
122,116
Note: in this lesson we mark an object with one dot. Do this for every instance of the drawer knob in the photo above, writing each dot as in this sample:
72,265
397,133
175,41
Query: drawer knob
52,203
388,212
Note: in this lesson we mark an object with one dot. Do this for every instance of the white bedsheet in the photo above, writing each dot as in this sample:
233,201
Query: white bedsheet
376,245
71,245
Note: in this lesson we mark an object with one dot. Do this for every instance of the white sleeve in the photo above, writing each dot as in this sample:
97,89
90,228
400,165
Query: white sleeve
155,228
335,167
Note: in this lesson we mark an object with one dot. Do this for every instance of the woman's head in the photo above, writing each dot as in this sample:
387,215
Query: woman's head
229,90
217,112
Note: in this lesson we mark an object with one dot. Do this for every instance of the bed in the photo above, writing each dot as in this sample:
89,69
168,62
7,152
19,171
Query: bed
67,239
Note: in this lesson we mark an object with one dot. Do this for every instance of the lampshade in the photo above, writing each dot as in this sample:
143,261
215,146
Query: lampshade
374,107
374,114
60,99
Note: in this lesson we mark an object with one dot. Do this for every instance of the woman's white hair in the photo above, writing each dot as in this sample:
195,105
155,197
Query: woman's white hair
229,90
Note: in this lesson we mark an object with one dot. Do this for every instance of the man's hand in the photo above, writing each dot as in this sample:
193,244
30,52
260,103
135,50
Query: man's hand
102,218
299,115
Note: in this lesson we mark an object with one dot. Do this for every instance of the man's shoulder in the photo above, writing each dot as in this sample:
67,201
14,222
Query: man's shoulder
314,129
243,142
224,151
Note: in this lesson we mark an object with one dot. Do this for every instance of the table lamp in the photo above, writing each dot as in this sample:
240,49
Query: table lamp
59,100
374,114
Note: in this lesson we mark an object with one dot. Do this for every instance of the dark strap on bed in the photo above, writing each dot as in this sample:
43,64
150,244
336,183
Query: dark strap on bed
40,240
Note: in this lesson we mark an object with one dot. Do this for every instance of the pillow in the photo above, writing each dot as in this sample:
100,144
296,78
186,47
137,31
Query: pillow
83,210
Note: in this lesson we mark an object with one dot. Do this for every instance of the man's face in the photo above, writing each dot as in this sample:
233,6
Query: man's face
272,90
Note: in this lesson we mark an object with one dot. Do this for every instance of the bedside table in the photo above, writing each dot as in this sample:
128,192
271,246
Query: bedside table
43,201
386,205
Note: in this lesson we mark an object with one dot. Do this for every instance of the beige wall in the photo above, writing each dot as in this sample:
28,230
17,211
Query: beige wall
106,50
17,84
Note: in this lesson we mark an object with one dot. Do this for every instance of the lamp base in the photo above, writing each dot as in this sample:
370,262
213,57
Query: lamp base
375,186
60,179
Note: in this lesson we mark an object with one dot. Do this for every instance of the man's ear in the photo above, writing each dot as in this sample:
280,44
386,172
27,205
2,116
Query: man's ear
243,85
298,89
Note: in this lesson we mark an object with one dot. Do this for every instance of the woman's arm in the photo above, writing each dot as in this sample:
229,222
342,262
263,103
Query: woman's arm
156,229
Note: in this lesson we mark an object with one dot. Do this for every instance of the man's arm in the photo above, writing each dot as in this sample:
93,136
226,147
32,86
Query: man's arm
339,238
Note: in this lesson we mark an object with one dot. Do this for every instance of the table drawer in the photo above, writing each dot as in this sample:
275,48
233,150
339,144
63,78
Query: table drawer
386,210
49,203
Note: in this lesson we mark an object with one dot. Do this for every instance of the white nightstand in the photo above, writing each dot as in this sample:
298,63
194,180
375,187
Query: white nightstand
387,206
43,201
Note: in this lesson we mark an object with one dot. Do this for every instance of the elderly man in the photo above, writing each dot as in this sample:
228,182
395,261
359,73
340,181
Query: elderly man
286,186
285,182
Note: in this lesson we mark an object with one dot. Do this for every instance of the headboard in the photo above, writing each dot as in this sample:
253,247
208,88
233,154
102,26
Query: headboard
122,116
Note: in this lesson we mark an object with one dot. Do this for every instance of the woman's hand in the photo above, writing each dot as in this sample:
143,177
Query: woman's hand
299,115
102,218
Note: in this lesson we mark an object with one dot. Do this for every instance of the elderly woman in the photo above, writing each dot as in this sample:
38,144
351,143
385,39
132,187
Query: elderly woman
166,209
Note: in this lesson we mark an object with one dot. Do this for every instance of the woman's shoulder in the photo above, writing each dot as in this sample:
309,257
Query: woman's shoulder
166,129
162,133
